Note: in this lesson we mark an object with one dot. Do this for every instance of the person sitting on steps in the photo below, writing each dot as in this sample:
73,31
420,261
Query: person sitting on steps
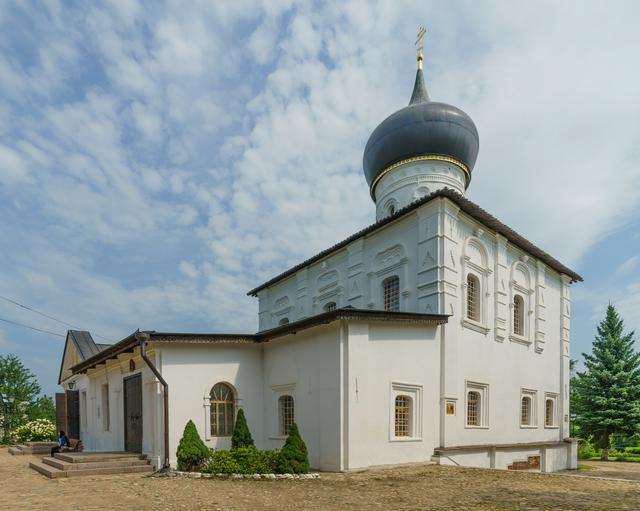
63,443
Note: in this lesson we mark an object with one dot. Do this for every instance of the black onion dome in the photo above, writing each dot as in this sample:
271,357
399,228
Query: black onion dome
423,128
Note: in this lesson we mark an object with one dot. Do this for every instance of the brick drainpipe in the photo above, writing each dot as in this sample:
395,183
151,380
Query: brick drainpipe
143,337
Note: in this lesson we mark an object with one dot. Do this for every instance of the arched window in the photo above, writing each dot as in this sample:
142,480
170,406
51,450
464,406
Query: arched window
473,408
525,411
403,416
391,294
283,321
518,315
286,410
223,410
549,412
473,298
328,307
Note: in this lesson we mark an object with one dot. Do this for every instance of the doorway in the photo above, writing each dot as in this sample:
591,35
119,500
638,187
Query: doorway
133,413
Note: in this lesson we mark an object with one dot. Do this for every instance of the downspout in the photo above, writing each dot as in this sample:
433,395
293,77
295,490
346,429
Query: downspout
143,337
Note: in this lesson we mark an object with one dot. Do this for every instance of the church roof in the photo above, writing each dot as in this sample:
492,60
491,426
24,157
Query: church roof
468,207
129,343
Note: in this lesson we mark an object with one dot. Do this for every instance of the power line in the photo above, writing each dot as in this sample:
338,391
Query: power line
32,327
18,304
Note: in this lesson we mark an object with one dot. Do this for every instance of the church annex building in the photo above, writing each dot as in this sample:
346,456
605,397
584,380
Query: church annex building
436,333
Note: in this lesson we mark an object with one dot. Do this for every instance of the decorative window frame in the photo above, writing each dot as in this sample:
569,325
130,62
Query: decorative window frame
388,263
533,411
526,291
207,407
414,391
287,389
388,204
482,273
483,413
553,397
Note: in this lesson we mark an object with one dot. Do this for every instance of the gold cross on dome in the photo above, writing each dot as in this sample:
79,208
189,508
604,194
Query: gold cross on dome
420,45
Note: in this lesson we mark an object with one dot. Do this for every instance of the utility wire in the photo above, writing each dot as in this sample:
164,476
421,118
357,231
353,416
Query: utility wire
18,304
31,327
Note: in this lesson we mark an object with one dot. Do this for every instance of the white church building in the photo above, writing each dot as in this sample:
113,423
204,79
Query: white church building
435,334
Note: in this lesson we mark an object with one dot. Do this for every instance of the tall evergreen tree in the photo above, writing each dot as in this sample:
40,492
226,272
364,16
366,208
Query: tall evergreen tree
608,392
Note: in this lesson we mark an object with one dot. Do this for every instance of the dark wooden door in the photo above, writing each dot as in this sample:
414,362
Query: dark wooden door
133,413
73,414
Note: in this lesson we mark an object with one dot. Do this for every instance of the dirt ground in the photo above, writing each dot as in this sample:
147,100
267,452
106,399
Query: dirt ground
410,487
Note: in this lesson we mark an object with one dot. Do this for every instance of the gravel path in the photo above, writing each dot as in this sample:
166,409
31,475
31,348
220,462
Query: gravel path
408,487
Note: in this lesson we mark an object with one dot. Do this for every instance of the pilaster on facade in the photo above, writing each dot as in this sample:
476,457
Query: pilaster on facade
428,286
565,317
356,274
302,293
263,309
501,280
448,257
540,307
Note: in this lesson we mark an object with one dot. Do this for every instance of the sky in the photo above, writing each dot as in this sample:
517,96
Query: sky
160,159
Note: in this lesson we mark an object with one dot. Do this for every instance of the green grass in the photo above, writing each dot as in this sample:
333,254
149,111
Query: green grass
584,467
628,459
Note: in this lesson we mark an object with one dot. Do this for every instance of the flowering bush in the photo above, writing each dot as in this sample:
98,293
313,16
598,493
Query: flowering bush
40,430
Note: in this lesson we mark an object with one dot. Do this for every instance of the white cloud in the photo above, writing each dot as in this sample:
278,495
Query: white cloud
162,161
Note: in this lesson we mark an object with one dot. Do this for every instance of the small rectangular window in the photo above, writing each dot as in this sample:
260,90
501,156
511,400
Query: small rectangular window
477,405
105,407
391,294
286,406
528,408
550,410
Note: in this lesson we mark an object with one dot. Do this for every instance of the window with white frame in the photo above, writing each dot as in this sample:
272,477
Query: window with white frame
83,410
473,298
528,408
286,414
477,405
405,414
518,315
105,407
391,293
550,410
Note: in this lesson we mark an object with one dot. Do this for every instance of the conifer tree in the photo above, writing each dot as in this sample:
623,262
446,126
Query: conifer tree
241,434
608,392
192,451
294,457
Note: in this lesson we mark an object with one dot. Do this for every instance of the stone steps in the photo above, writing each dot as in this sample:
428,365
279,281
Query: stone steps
32,448
87,465
80,464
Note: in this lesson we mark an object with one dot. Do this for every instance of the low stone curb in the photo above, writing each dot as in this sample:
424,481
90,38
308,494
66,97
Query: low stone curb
203,475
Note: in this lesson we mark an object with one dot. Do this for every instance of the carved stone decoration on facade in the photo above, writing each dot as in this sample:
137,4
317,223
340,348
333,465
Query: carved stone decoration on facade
281,303
327,280
389,257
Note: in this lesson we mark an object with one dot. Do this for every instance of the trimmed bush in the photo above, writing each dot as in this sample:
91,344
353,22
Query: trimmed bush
243,460
192,452
293,458
241,434
632,451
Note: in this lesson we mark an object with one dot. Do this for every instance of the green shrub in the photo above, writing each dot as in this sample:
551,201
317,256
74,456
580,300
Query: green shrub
241,434
586,451
632,450
243,460
192,452
39,430
293,458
